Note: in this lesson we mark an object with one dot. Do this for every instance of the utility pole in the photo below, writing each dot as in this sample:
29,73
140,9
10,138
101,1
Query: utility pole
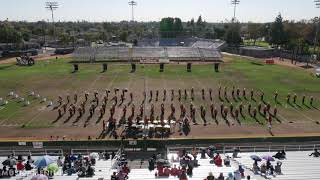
235,3
52,6
132,4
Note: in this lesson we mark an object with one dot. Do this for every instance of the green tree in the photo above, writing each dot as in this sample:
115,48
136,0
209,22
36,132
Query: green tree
123,36
278,35
232,35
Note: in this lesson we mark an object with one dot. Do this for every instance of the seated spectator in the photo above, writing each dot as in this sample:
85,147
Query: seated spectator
20,166
194,152
183,175
255,167
27,166
174,171
93,161
190,171
160,170
30,159
280,155
235,153
114,176
226,161
241,170
203,153
90,171
263,169
166,172
20,158
59,162
151,164
220,177
121,175
125,169
230,176
217,160
237,175
72,170
315,153
210,176
278,168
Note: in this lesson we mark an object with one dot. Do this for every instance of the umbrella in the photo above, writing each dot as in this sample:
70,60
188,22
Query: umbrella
94,155
44,161
53,168
73,157
255,157
9,162
39,177
268,158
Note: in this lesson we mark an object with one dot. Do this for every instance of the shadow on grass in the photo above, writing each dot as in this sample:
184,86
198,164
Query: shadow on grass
256,63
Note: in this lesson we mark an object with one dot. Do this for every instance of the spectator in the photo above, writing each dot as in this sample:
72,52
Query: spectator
255,167
263,169
277,169
230,176
59,162
151,164
166,172
30,159
226,161
28,167
90,171
20,166
220,177
235,153
174,171
217,160
114,176
237,175
241,170
210,176
190,171
280,155
183,175
315,153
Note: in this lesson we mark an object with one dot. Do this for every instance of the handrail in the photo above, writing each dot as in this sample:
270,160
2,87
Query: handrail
256,148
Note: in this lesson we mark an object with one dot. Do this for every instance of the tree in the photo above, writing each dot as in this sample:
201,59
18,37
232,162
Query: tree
278,35
232,35
199,21
123,36
254,32
170,27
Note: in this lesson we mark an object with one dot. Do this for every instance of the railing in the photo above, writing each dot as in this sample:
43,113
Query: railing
88,151
32,152
258,148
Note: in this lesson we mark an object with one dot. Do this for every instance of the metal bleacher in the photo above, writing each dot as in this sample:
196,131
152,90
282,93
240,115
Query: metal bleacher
123,54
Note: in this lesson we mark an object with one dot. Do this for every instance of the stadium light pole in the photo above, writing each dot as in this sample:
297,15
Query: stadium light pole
132,4
317,5
235,3
52,6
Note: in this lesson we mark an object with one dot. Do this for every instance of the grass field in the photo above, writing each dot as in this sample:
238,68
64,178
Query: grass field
52,78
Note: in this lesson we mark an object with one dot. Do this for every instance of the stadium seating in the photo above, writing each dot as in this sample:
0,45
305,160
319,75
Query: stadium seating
297,166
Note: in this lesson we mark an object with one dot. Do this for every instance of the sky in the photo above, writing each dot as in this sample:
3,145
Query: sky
154,10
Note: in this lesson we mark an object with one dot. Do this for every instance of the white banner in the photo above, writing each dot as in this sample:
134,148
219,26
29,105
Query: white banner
37,145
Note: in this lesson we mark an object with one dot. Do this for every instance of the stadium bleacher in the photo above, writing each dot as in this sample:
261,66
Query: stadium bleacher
297,165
